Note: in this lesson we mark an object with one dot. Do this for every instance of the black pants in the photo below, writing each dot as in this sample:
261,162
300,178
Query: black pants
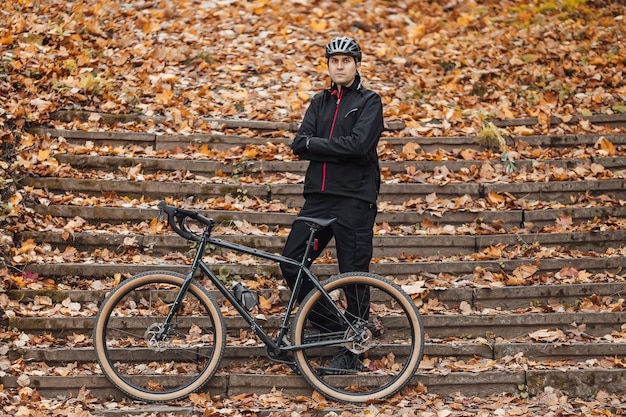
353,233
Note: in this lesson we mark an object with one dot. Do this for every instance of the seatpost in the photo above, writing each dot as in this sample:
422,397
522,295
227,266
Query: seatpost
314,228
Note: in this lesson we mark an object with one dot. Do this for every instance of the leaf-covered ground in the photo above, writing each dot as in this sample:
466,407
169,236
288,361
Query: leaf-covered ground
455,62
413,402
441,67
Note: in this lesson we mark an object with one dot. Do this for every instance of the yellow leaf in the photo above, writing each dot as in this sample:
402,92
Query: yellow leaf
134,172
18,280
319,25
494,251
318,398
598,60
465,19
303,95
543,119
468,154
15,199
305,84
6,40
521,273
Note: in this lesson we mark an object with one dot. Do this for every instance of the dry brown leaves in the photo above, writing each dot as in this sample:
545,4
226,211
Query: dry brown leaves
446,63
411,401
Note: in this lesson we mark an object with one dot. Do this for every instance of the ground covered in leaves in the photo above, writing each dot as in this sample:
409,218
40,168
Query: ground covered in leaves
411,402
442,68
451,62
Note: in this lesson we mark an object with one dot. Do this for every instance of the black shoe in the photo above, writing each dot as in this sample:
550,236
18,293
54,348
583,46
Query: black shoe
343,362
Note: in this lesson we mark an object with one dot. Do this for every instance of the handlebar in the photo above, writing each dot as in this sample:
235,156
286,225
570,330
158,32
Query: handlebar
177,219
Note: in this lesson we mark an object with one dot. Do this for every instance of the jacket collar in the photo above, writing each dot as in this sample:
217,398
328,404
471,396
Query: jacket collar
356,85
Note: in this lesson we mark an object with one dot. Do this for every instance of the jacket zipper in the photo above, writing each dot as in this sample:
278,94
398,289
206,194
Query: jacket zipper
330,135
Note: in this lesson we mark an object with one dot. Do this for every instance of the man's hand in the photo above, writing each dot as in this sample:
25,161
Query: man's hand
300,144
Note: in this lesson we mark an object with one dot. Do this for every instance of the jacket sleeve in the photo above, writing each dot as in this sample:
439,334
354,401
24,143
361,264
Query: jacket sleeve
306,132
364,135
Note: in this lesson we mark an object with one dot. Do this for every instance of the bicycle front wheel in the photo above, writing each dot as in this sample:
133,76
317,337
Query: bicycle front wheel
383,344
148,359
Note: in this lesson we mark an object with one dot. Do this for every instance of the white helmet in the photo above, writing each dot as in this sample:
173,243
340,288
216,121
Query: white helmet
344,46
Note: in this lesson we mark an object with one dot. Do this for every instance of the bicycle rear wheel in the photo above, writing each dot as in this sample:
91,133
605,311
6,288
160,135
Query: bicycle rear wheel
386,340
141,359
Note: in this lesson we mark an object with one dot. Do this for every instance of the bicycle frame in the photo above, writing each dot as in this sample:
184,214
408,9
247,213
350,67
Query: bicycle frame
276,345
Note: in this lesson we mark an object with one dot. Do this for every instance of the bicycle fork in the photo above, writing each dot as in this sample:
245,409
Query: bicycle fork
167,323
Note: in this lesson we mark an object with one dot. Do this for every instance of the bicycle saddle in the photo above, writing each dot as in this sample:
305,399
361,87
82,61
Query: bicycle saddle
317,221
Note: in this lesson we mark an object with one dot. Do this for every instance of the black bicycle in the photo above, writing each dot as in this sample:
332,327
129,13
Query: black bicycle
160,335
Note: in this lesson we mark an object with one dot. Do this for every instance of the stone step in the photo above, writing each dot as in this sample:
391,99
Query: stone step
233,354
291,194
614,265
384,246
576,382
613,120
497,298
226,141
506,218
504,324
252,167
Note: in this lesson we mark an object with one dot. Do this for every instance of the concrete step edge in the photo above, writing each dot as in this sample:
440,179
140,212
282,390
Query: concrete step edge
400,269
576,382
290,193
113,163
511,217
501,298
507,326
574,351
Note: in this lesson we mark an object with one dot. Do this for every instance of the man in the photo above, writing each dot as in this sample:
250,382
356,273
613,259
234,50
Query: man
339,135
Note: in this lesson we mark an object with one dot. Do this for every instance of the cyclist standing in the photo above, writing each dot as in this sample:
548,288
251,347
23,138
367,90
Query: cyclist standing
338,136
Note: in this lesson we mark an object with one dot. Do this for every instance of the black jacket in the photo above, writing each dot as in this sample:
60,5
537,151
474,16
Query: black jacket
347,163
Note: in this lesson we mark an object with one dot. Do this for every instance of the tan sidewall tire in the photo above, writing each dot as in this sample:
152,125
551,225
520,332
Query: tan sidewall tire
408,305
146,278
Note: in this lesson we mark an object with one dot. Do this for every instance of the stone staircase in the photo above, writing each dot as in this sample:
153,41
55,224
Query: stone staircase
514,296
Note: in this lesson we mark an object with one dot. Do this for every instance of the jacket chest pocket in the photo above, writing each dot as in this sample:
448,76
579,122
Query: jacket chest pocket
346,123
351,114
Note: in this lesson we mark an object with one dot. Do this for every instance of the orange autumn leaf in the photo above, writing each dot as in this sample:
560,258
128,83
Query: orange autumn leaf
494,252
606,145
165,96
495,198
319,25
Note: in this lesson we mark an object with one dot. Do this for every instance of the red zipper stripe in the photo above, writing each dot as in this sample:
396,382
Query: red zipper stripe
330,135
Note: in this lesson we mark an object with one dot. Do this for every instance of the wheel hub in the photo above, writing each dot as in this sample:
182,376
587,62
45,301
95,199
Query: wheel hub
362,338
155,337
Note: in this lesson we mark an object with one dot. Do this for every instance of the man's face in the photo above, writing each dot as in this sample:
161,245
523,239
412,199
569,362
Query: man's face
342,69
